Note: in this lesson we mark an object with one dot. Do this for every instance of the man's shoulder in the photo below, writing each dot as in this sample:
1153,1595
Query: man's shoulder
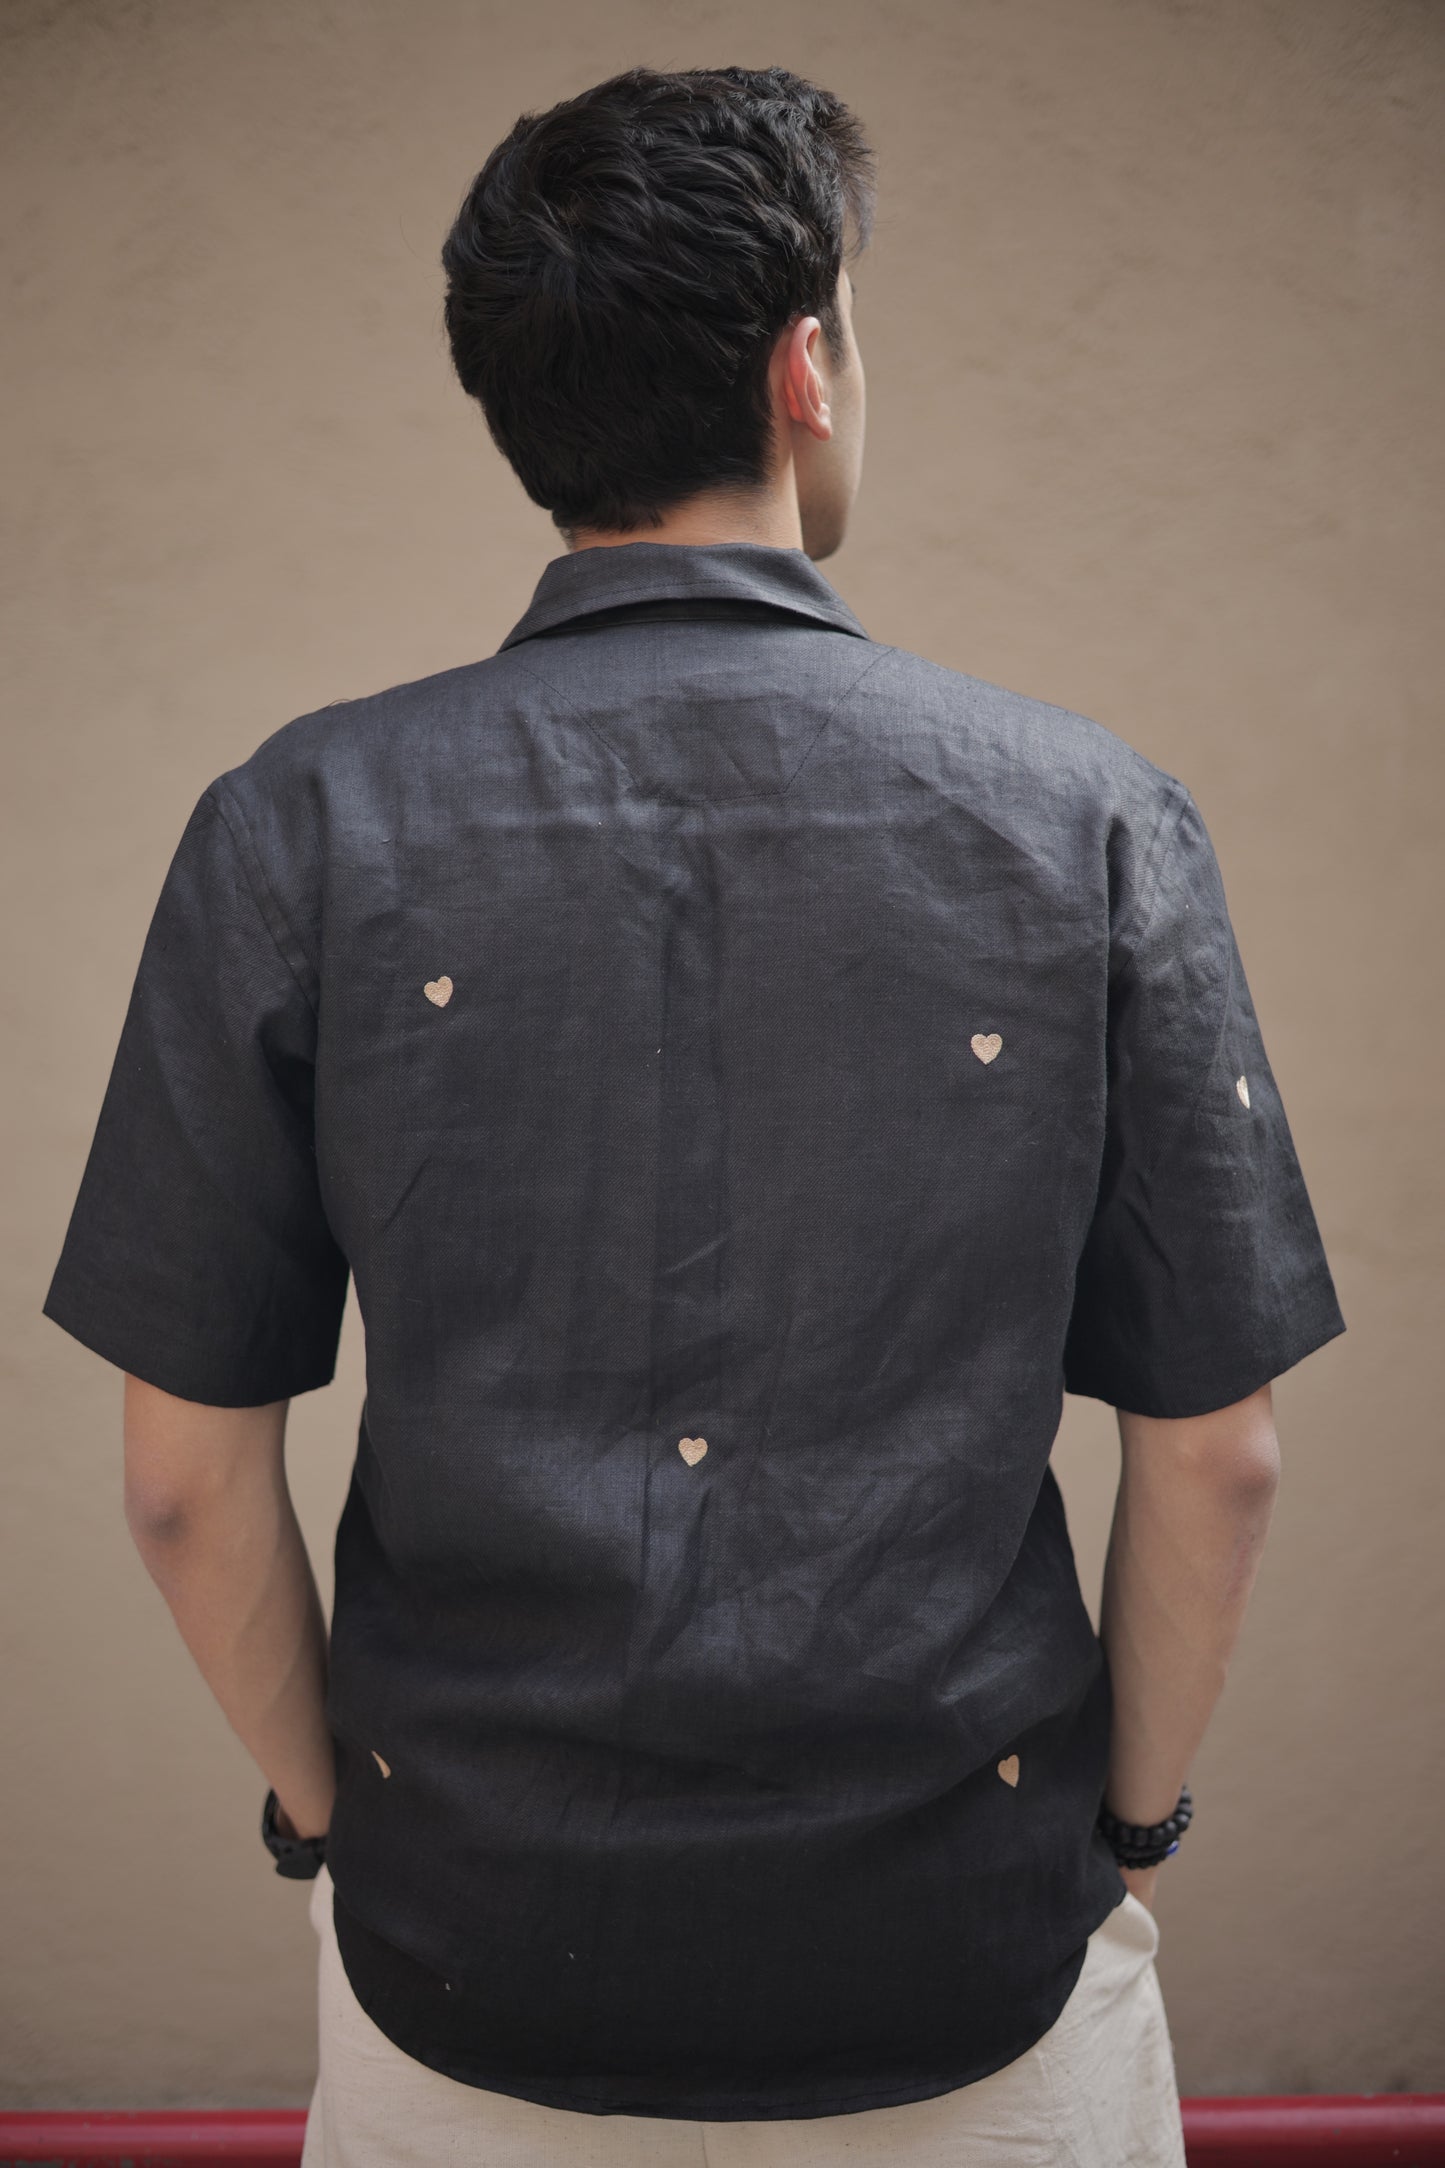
385,726
336,777
983,723
960,727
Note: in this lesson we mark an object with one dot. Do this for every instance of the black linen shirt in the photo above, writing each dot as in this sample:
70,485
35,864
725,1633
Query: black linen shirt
751,1073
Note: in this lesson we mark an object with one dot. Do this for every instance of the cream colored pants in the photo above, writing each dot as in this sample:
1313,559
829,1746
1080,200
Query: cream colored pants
1097,2091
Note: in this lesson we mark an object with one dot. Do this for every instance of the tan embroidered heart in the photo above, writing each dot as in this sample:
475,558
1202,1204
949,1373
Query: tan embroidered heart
1008,1769
439,991
692,1450
381,1765
988,1047
1243,1089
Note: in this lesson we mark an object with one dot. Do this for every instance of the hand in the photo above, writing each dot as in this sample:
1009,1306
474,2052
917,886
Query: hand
1139,1881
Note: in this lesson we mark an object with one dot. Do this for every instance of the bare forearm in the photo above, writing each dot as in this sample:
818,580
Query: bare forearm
1190,1522
232,1565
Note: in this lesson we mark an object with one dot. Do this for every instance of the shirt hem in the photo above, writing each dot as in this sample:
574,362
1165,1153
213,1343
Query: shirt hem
68,1309
1226,1387
619,2099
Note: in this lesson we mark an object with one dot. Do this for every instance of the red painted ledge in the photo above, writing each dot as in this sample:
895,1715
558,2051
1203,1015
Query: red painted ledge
1333,2130
1318,2130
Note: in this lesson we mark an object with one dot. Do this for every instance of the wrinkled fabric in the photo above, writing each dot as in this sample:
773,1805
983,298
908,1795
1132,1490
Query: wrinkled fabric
1098,2090
750,1074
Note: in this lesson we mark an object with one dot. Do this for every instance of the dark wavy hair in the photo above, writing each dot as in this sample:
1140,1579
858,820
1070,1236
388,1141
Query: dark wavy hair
622,265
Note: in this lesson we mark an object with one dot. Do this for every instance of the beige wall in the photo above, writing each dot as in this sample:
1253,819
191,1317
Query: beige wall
1154,329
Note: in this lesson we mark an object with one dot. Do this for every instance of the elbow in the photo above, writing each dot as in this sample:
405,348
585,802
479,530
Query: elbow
159,1519
166,1506
1240,1448
190,1466
1231,1453
1251,1471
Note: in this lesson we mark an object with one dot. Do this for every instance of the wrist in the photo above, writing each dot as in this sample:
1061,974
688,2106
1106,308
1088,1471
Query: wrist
1145,1845
1140,1881
1144,1808
302,1825
297,1855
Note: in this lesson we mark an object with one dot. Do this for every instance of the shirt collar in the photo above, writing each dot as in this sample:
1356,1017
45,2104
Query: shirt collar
586,581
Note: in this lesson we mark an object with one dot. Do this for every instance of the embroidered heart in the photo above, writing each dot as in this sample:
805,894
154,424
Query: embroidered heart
438,991
692,1450
1008,1769
1243,1089
987,1047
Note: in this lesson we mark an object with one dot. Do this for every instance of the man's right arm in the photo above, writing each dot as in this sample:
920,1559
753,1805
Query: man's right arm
1195,1498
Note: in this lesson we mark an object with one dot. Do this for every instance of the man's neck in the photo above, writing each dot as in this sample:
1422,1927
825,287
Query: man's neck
767,516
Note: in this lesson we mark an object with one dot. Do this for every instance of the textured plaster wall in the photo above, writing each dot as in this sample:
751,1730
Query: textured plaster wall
1153,322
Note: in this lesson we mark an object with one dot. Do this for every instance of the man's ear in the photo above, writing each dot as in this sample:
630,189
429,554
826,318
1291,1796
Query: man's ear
804,390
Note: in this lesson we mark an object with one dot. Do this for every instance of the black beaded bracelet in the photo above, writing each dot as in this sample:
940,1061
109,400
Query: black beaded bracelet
300,1859
1135,1845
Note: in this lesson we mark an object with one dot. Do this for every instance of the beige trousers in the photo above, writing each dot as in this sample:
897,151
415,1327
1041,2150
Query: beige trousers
1097,2091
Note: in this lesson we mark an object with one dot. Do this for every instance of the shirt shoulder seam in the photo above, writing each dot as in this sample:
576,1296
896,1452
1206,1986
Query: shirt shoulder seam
1161,848
1207,1071
278,926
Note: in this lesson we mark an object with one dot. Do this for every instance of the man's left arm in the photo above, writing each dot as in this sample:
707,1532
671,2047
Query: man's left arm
207,1503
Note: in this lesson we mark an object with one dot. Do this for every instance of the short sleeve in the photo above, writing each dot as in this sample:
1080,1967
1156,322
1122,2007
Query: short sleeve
198,1254
1203,1275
